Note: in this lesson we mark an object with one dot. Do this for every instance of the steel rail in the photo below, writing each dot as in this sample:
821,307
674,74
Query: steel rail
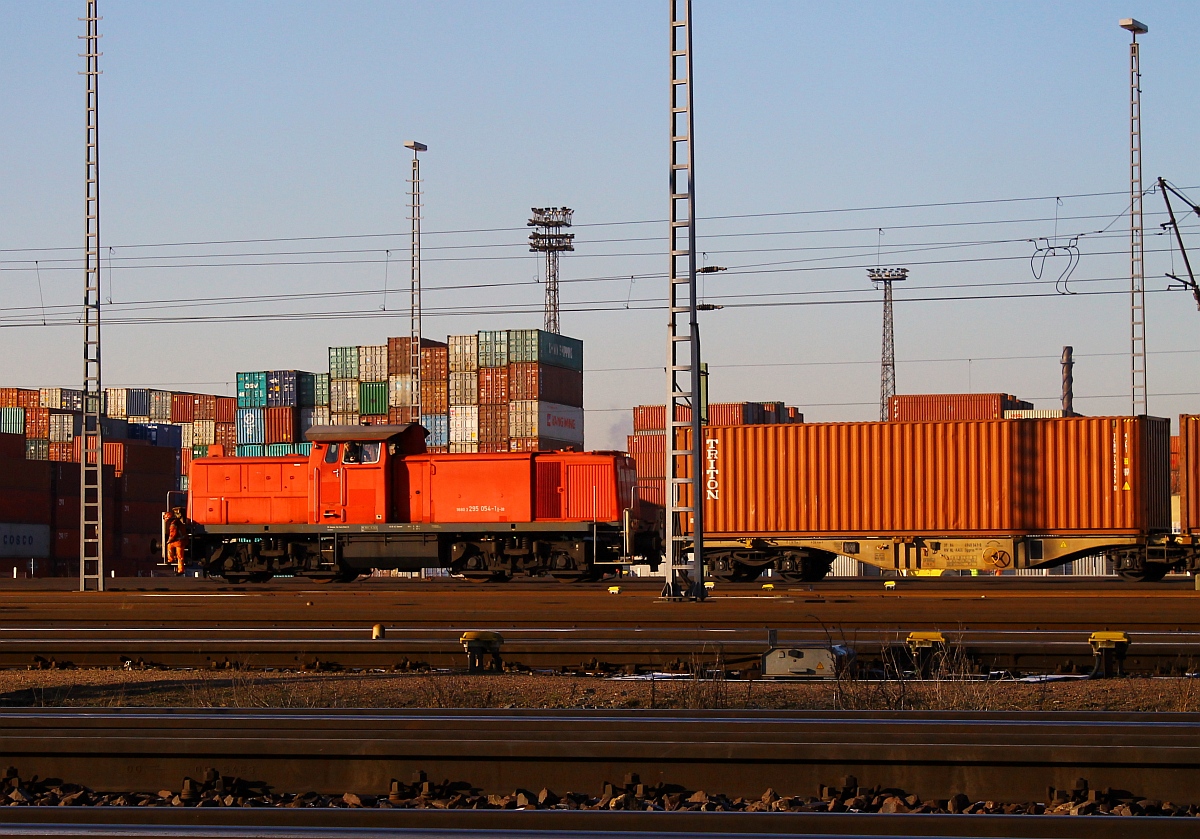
987,756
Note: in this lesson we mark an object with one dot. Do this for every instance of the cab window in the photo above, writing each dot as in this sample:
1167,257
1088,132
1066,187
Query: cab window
331,453
353,453
370,452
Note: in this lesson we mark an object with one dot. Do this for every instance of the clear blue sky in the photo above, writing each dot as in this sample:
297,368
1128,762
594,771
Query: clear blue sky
248,121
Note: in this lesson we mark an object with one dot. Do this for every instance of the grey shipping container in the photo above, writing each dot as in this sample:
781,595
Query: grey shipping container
493,348
343,396
464,388
464,353
160,406
343,362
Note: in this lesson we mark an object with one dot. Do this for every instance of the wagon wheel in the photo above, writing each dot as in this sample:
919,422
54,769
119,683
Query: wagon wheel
486,576
1147,574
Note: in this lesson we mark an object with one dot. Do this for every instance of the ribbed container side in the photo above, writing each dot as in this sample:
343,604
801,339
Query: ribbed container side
493,425
61,452
304,449
251,426
493,385
12,421
400,390
464,424
115,402
540,347
1056,413
464,353
373,363
1189,473
310,417
320,389
343,363
185,461
493,348
464,448
15,397
464,388
251,450
970,478
654,417
183,407
160,405
545,419
306,389
226,434
373,397
545,383
649,453
280,449
137,402
435,396
52,397
280,425
204,407
226,409
949,407
283,388
438,426
342,418
343,396
65,427
252,389
37,449
735,413
187,434
400,356
204,433
37,423
435,363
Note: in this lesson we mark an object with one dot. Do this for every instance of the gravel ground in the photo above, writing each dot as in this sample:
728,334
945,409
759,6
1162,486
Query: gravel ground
196,688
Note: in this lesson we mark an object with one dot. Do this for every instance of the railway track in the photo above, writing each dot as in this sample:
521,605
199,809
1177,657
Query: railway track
997,626
985,756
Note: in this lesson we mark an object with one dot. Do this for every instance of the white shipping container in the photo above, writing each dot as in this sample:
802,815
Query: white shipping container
114,402
24,540
139,420
65,427
545,419
464,424
188,435
464,353
464,448
464,388
344,418
1057,413
204,432
160,406
343,396
400,390
373,363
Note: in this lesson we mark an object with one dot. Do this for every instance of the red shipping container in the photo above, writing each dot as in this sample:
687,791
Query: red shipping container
22,506
37,423
226,410
183,407
62,452
654,417
144,486
12,446
1189,474
493,424
435,396
185,459
26,476
948,407
545,383
435,363
540,444
204,407
399,416
281,425
649,453
66,545
735,413
493,387
987,478
399,358
226,434
29,399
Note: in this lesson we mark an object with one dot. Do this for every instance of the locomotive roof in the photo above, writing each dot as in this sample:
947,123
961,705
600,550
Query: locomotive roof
359,433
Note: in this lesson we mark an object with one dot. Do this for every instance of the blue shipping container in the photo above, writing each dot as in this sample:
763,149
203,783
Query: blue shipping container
114,429
438,426
249,451
280,449
157,434
137,402
284,388
251,426
304,449
252,390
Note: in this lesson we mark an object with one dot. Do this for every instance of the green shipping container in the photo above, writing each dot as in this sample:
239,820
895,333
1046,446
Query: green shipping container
253,450
199,451
12,421
37,449
306,389
252,390
537,346
304,449
320,390
493,348
280,449
372,397
343,362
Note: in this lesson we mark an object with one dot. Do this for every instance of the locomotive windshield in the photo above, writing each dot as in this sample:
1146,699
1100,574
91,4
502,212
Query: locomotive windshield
331,454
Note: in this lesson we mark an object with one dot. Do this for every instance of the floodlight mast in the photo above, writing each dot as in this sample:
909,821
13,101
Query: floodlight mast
550,240
414,295
887,360
1138,396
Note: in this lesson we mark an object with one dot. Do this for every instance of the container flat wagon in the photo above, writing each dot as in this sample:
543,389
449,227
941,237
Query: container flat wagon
987,495
370,497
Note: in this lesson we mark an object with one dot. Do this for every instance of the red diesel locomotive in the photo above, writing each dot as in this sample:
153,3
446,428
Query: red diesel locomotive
370,497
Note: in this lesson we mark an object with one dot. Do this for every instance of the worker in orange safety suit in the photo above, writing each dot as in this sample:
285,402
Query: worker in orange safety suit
176,536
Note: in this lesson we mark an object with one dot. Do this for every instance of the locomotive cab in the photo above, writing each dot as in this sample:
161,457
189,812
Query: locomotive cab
351,470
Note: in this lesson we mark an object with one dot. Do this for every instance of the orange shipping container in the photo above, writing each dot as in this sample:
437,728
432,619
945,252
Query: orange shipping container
204,407
493,425
493,385
945,407
226,434
649,453
226,409
1096,475
281,425
183,407
1189,474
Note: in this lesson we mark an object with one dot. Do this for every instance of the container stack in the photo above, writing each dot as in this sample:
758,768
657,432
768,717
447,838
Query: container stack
945,407
274,408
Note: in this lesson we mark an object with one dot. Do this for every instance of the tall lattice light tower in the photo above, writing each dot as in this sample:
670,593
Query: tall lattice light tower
887,366
414,294
688,481
550,239
91,469
1139,402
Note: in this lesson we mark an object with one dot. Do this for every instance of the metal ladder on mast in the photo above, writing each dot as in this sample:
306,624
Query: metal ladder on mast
684,500
1137,287
91,466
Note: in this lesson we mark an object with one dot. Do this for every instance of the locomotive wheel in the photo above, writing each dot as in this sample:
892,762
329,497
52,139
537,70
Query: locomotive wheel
746,573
